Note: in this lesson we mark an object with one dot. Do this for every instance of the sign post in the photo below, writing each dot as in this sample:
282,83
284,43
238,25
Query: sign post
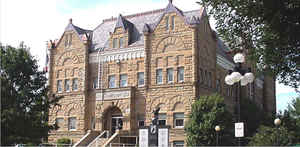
239,129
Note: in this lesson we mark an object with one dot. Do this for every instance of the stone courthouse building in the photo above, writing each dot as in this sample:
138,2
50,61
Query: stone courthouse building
118,73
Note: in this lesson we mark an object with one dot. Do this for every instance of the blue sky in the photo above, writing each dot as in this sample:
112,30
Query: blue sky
37,21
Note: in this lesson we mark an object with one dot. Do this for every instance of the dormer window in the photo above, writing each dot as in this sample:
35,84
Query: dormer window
167,23
121,42
115,42
172,22
68,40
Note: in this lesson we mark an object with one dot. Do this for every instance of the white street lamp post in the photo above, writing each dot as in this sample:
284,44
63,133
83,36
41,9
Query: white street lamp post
241,76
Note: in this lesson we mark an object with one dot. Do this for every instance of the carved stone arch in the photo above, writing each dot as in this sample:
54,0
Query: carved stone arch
177,100
178,106
158,101
75,106
165,44
71,112
67,61
55,109
163,107
74,59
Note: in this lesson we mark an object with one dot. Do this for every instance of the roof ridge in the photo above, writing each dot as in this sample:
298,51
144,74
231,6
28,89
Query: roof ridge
136,14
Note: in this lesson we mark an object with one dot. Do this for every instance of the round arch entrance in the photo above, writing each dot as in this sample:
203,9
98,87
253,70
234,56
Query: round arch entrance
112,119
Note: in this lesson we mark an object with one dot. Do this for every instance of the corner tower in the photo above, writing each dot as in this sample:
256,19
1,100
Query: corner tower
68,78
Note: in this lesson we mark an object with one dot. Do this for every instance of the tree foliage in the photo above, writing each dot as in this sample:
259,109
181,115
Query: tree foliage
249,109
287,134
271,136
206,113
24,100
291,119
267,29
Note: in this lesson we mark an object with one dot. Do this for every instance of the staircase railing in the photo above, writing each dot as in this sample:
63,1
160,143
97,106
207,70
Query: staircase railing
104,134
83,138
112,138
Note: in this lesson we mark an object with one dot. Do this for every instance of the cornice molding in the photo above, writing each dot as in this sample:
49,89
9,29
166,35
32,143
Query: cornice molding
120,54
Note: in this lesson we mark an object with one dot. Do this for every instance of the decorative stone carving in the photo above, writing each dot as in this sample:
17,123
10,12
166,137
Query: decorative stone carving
170,43
68,55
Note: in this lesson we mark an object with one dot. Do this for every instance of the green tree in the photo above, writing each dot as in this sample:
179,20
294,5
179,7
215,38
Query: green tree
272,136
206,113
249,109
24,99
291,119
267,29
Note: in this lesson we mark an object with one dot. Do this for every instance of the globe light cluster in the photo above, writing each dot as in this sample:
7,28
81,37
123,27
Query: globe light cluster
236,76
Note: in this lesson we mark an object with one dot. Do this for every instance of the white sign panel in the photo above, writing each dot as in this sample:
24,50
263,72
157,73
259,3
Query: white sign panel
163,137
143,137
239,129
111,95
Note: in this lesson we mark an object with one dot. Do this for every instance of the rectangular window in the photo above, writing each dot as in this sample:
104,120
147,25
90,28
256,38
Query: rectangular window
95,83
218,85
70,40
200,75
178,144
205,80
209,79
67,85
59,122
72,123
59,86
159,78
141,123
170,75
167,22
75,84
111,81
178,120
115,43
173,22
141,80
66,40
180,74
93,123
162,119
121,42
123,80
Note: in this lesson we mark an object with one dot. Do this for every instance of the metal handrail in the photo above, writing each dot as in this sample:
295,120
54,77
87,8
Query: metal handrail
99,136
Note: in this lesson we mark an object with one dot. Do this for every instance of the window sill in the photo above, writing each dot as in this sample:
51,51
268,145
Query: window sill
179,127
72,130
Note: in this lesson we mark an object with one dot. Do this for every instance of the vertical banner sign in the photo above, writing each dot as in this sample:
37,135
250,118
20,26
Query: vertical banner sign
239,129
143,137
163,137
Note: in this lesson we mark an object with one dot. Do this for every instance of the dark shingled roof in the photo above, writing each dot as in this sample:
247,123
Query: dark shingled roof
138,21
146,22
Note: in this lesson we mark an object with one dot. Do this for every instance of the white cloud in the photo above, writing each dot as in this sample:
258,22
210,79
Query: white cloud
281,88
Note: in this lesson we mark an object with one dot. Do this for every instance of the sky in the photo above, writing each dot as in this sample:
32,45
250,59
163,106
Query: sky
38,21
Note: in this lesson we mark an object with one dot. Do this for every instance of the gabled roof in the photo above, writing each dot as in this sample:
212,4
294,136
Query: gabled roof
77,29
81,33
122,22
139,23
